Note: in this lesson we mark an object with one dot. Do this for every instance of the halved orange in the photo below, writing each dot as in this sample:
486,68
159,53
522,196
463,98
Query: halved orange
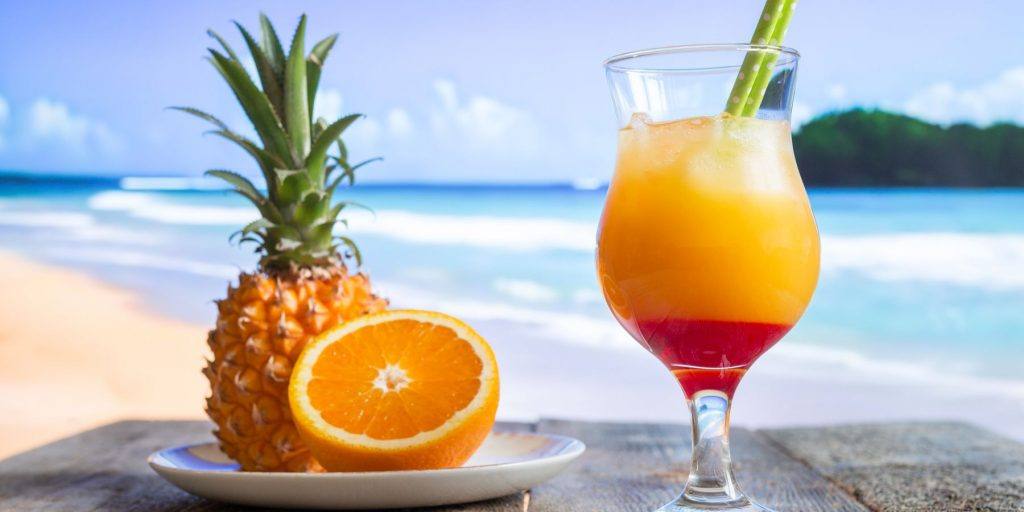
395,390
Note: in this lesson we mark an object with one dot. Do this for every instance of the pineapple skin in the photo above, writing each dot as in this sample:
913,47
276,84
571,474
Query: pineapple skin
262,326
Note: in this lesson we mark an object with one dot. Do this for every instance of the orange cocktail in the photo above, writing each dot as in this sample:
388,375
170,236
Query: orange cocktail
707,252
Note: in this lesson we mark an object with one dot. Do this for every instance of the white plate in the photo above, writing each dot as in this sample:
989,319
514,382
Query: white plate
505,464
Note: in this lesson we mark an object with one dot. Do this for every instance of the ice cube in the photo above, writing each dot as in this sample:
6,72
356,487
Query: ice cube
640,120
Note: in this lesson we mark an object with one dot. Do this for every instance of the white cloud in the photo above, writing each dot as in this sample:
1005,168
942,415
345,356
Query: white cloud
399,122
328,105
455,131
446,91
837,93
363,135
483,123
801,114
52,121
995,100
999,99
838,98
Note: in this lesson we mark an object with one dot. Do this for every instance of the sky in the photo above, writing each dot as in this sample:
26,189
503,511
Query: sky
461,91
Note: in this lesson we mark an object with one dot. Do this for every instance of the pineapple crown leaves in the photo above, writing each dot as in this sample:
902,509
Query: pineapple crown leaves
297,206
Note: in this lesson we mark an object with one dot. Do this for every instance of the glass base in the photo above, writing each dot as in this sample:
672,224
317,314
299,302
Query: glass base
741,504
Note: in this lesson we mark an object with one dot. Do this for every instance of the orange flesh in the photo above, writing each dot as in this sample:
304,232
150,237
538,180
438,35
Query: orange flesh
395,380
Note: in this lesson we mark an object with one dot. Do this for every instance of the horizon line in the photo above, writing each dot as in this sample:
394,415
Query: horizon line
186,182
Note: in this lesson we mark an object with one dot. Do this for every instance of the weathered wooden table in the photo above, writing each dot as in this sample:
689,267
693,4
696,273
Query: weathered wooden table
628,467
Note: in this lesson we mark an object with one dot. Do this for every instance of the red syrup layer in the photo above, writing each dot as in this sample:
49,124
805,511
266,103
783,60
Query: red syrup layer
709,354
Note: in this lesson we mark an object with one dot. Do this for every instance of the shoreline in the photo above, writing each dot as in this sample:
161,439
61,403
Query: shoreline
79,352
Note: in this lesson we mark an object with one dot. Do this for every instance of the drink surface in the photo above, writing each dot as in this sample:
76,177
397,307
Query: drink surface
707,250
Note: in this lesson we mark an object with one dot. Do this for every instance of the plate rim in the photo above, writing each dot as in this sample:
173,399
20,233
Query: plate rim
573,449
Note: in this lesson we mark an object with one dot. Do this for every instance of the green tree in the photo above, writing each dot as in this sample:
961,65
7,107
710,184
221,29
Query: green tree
874,148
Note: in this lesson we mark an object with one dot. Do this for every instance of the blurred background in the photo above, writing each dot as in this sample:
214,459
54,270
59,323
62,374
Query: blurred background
498,138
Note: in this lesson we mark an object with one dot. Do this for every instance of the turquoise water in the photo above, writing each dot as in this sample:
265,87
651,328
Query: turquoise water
928,283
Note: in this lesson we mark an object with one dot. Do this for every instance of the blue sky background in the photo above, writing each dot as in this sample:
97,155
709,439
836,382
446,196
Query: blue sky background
461,90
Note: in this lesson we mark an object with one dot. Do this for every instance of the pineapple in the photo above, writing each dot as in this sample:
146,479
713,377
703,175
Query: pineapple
302,285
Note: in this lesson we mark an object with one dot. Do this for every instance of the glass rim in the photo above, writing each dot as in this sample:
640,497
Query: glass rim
612,63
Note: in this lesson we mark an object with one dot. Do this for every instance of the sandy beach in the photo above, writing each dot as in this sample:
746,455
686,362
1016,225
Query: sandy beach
76,353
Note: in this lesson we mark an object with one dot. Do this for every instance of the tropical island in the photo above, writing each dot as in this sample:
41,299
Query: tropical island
875,148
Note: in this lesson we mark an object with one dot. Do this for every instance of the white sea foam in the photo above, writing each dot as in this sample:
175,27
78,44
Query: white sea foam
75,225
573,328
106,233
170,183
841,364
48,219
531,233
150,261
788,358
987,260
511,233
526,290
155,208
588,183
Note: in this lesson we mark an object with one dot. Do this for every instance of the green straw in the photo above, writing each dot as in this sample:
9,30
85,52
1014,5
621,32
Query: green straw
756,71
764,74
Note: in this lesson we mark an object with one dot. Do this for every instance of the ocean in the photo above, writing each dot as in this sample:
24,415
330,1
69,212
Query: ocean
919,313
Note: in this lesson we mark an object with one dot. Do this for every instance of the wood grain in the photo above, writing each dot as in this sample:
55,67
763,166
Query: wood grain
101,469
639,467
910,467
934,467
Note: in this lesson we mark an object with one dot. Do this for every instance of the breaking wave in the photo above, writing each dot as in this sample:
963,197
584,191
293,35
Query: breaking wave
987,260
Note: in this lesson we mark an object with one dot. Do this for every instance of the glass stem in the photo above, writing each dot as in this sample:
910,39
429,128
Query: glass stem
711,480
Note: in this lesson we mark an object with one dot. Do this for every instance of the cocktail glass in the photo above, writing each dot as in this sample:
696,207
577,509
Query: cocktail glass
707,251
